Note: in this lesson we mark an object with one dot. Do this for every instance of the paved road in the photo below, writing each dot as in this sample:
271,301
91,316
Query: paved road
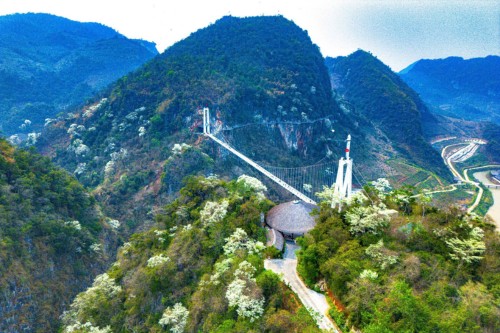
311,299
465,179
494,211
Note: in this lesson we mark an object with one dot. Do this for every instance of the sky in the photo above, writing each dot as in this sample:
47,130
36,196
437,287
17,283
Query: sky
398,32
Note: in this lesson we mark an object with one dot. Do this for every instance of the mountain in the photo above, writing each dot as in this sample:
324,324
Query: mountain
49,64
465,89
53,240
270,97
269,91
393,112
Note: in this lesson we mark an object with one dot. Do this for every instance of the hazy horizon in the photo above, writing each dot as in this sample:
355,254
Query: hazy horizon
395,32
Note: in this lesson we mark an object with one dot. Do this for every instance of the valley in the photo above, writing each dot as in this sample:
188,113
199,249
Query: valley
137,188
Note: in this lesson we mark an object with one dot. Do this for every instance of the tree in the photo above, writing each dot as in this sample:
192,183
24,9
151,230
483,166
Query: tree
175,317
467,250
366,219
401,311
363,294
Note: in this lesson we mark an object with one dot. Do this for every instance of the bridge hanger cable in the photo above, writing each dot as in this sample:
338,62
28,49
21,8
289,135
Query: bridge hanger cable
364,181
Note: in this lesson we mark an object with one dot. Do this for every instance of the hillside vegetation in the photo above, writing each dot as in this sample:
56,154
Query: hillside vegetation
394,111
416,269
49,64
53,240
465,89
123,143
199,269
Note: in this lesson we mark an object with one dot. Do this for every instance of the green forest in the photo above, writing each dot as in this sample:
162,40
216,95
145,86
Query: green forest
398,265
53,238
199,269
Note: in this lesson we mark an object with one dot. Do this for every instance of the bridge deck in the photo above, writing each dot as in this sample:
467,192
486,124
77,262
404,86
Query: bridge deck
266,173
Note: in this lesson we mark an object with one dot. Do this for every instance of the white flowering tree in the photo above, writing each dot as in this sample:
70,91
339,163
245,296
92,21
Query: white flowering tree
80,168
253,184
86,328
240,240
32,138
115,224
109,169
368,274
243,294
470,249
175,318
213,212
178,149
366,219
382,187
157,261
219,269
74,224
103,292
382,256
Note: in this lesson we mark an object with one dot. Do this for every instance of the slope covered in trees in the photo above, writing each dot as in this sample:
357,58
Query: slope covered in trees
122,142
465,89
270,96
394,110
199,269
414,269
49,64
53,240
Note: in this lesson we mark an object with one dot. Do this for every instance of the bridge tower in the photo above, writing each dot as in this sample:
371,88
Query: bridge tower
343,183
206,121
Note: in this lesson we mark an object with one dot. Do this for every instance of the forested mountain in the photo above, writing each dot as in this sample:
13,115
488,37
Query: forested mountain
49,64
465,89
269,95
464,95
394,113
199,269
53,240
271,85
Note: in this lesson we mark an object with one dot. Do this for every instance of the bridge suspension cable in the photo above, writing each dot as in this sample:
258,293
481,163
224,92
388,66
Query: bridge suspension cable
303,182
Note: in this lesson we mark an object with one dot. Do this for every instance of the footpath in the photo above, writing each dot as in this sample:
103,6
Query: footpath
287,267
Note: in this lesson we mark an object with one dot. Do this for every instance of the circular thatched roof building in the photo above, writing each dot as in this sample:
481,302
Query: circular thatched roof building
291,218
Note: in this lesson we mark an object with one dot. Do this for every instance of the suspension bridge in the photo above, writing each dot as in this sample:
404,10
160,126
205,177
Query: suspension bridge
302,182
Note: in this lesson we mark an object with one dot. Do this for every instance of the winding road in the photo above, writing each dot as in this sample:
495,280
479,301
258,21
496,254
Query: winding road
465,178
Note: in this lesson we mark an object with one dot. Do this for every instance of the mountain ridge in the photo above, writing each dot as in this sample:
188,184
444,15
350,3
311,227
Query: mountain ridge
374,92
50,63
461,88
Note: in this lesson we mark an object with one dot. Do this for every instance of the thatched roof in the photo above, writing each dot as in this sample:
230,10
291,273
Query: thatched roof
291,217
275,238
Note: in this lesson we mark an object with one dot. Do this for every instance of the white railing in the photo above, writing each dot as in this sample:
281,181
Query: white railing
266,173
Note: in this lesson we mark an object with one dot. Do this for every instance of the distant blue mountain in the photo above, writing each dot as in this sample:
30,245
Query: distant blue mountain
49,63
464,89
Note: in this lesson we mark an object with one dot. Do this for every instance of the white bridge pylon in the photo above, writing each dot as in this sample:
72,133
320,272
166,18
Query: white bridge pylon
343,183
343,186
